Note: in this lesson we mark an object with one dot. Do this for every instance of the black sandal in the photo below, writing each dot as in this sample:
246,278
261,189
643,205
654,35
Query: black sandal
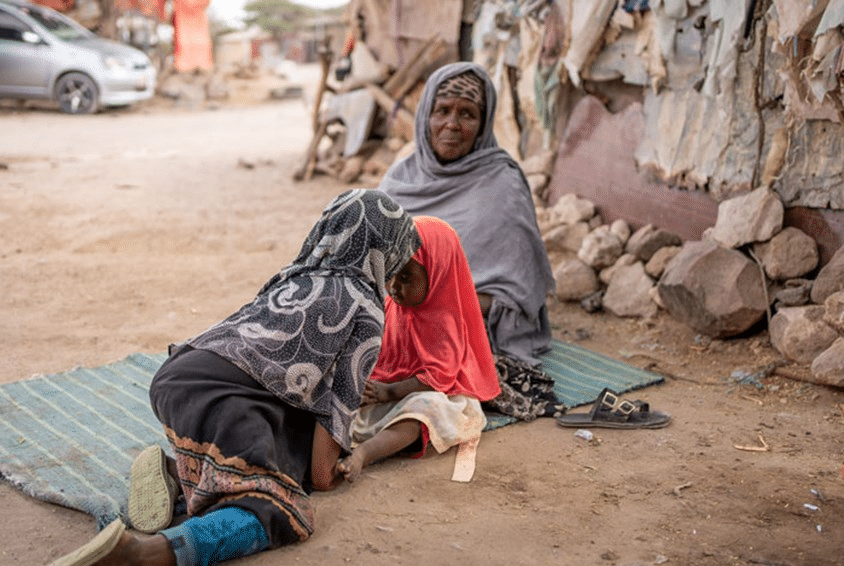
611,411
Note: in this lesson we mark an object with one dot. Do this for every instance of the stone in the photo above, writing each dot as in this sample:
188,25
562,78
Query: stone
600,248
833,308
605,275
593,302
794,293
537,183
754,217
654,294
656,265
570,209
352,169
628,293
543,218
828,367
566,237
791,253
800,333
648,239
621,229
717,291
830,278
541,162
575,280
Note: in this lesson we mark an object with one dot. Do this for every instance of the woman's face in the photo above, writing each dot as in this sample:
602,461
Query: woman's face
409,287
454,124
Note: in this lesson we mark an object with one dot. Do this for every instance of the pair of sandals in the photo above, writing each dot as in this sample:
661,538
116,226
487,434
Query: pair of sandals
612,411
152,497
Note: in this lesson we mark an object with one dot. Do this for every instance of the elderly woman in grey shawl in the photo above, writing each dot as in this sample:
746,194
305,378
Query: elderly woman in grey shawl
458,173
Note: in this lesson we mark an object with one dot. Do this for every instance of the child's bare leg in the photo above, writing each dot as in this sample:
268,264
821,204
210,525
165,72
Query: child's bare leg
140,550
386,443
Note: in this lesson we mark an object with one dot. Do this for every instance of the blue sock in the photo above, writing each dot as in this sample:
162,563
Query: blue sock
224,534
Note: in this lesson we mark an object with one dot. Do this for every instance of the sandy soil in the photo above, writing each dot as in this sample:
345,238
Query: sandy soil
125,231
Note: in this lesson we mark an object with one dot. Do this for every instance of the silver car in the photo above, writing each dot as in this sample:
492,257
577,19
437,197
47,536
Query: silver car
44,54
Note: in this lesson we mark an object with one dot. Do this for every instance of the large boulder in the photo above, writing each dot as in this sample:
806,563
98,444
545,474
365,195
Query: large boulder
717,291
791,253
754,217
628,293
575,280
828,367
830,278
833,308
800,333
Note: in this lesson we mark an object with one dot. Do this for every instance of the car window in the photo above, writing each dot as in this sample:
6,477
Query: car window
12,28
61,26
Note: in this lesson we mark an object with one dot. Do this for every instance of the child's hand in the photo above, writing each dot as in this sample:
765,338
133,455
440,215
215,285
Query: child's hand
376,392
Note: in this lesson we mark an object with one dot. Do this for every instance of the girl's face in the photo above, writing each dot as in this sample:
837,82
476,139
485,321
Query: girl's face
410,285
454,125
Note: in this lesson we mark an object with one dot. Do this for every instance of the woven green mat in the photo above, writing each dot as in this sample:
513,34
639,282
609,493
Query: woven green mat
70,438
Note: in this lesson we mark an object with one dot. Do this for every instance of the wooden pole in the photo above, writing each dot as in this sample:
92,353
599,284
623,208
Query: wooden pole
403,117
306,171
325,60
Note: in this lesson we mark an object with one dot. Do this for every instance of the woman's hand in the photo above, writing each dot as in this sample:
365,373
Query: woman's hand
379,392
376,392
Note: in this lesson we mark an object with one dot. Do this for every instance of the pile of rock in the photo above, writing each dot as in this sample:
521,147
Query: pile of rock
746,267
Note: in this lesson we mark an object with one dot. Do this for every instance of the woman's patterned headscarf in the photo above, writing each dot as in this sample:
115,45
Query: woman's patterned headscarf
466,85
313,333
361,233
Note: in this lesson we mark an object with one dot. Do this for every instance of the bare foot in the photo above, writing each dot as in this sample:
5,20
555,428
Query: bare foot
352,465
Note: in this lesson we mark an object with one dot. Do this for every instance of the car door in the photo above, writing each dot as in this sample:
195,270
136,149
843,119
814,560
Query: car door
24,61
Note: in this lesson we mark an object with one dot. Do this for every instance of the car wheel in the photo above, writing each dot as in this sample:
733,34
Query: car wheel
76,94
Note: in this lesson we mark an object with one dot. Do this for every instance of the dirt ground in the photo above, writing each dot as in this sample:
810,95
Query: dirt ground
128,230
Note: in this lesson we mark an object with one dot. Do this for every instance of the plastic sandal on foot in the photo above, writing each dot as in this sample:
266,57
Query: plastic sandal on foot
97,549
152,491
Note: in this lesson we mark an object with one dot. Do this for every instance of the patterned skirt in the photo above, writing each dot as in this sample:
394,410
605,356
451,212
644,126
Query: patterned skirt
526,391
235,443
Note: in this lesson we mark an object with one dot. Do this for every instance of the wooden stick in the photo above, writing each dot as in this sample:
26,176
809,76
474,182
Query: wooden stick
306,171
401,72
763,448
371,9
405,119
681,487
785,372
406,78
325,60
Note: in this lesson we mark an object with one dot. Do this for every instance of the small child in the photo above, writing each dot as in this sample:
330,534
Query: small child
435,365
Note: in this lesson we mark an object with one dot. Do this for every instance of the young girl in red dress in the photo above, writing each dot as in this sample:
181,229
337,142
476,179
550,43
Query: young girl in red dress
435,366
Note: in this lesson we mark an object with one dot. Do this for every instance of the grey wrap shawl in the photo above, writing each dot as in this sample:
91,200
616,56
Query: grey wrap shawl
486,199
